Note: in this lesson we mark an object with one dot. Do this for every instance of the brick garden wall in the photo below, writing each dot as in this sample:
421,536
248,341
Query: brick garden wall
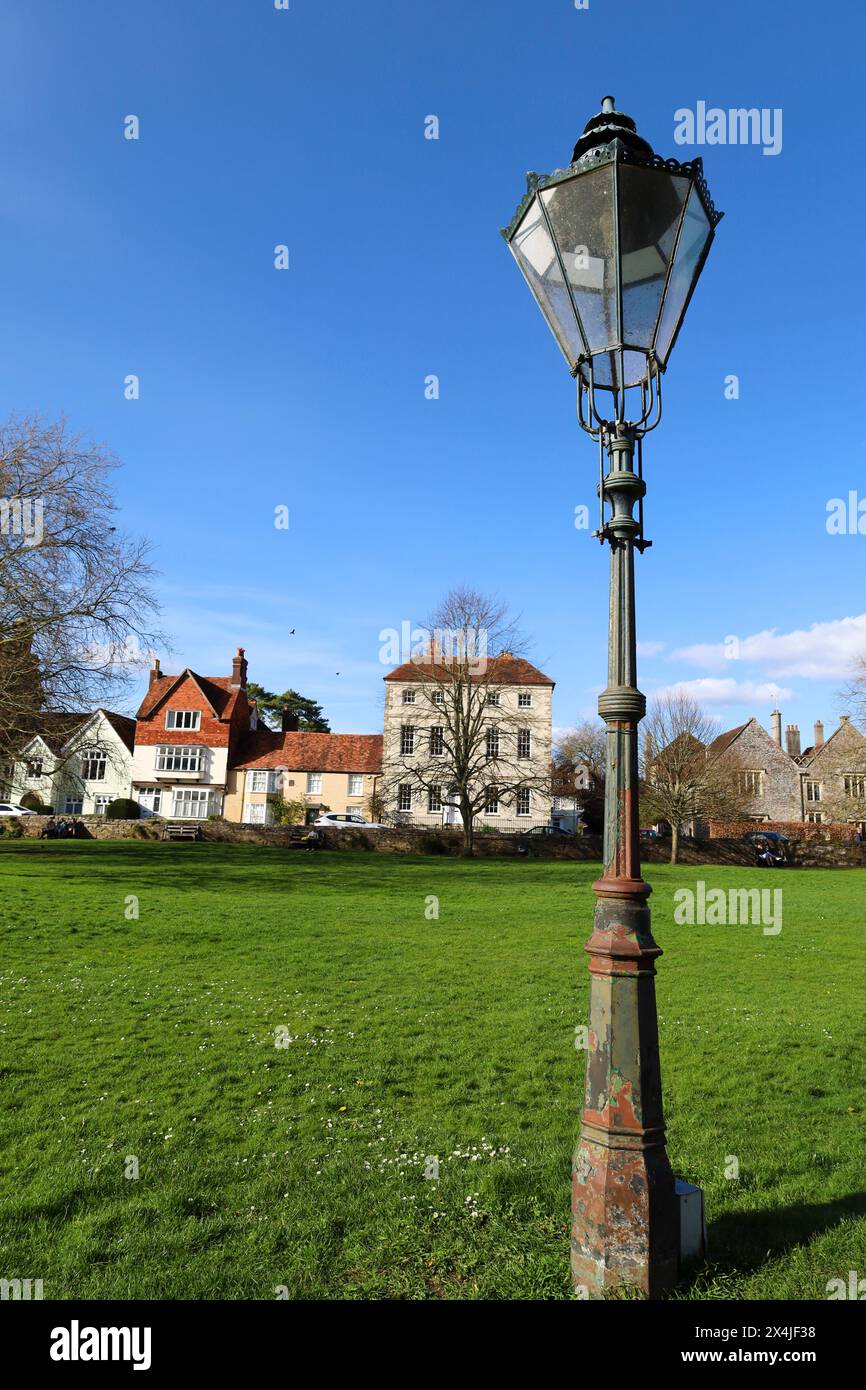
794,829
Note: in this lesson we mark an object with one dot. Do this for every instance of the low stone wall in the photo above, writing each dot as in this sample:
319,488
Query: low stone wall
812,854
89,827
808,852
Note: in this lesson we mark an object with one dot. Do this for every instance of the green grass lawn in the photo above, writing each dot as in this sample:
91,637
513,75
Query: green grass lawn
303,1165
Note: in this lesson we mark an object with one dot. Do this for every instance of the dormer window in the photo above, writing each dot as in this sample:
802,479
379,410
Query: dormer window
182,718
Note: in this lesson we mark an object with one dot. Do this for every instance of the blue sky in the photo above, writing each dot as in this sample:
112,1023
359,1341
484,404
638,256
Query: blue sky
305,387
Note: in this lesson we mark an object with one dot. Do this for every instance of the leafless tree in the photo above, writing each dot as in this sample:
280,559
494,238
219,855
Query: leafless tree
583,746
484,749
683,777
579,761
853,694
76,607
843,793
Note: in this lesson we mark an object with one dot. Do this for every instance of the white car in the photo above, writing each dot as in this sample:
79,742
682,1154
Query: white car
343,821
11,808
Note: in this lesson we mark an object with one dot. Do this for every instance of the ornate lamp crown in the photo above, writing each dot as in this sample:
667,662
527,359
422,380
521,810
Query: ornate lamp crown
609,125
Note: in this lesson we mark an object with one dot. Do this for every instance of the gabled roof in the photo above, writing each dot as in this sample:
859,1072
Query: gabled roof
810,754
55,729
498,670
724,741
308,752
123,726
218,691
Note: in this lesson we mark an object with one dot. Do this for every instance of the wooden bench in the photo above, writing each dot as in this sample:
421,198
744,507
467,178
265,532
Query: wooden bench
177,830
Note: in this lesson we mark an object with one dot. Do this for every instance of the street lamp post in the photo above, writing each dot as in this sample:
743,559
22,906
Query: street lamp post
612,248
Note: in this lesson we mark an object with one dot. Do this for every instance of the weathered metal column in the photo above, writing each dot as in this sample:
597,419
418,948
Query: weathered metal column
626,1220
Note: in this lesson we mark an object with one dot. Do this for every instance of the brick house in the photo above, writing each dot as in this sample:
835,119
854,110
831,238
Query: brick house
189,729
327,772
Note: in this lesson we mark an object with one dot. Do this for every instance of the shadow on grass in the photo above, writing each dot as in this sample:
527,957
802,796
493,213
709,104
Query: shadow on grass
743,1240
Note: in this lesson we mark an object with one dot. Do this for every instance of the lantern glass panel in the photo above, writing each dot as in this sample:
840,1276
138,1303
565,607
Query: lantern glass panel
536,255
650,209
581,214
605,369
694,237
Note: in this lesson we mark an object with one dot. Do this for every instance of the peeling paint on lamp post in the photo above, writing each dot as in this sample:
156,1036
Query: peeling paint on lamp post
612,248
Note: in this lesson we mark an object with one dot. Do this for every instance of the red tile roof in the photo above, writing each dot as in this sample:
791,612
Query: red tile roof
307,752
217,690
498,670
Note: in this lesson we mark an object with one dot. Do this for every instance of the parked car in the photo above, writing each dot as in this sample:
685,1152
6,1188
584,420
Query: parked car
649,832
547,830
11,808
337,820
769,846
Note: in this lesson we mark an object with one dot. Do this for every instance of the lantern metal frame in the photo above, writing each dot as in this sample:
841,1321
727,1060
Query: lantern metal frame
617,152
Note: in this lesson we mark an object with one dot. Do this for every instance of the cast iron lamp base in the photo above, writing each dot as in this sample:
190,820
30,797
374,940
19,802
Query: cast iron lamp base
624,1204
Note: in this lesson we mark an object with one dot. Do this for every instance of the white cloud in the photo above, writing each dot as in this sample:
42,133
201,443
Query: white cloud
650,648
815,653
712,690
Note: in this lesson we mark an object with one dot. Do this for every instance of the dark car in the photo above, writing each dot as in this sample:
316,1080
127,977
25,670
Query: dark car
547,830
769,846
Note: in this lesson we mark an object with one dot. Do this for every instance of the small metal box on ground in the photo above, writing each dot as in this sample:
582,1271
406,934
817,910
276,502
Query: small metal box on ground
693,1229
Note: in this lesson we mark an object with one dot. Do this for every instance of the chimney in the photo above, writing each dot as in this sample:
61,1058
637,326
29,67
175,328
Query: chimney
792,740
155,672
819,733
239,670
776,717
290,721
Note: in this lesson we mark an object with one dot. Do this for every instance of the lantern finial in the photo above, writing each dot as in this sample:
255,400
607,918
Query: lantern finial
607,126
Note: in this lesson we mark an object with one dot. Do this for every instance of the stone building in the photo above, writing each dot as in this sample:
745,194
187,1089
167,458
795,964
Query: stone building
768,776
833,776
823,783
513,700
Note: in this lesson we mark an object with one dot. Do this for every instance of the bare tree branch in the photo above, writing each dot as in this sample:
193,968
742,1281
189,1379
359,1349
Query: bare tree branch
76,604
